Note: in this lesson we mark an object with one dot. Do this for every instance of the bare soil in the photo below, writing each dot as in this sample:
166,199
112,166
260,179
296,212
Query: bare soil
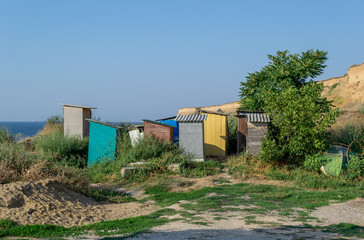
48,202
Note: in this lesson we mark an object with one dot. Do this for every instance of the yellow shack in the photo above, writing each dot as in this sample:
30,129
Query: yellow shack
215,134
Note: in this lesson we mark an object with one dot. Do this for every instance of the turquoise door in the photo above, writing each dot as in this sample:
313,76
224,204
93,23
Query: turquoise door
102,143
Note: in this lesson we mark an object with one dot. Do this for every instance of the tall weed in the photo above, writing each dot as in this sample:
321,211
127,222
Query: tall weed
349,135
69,150
14,160
6,136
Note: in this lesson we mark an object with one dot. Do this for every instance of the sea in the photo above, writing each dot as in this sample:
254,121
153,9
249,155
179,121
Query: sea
28,129
23,129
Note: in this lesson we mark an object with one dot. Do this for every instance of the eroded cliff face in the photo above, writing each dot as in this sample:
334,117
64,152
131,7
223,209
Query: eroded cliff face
347,92
225,108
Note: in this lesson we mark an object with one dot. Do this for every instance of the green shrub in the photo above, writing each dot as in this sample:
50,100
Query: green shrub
361,109
69,150
347,134
156,154
14,160
145,149
6,136
314,162
190,168
355,168
54,119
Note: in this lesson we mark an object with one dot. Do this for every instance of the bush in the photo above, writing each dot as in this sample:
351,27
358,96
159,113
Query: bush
349,134
190,168
71,151
14,161
54,119
145,149
6,136
355,168
156,154
314,162
245,165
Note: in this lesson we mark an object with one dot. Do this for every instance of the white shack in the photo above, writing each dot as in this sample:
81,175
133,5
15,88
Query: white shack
74,120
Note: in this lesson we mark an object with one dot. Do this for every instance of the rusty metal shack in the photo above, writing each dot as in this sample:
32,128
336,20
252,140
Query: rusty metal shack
252,127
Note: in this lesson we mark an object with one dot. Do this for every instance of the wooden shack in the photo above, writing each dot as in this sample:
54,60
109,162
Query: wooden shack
158,130
215,134
191,134
172,122
252,127
103,141
74,120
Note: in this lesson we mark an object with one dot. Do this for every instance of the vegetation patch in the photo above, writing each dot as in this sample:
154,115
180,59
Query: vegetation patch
132,225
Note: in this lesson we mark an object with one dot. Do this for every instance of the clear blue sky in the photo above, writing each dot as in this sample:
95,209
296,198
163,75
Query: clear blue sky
145,59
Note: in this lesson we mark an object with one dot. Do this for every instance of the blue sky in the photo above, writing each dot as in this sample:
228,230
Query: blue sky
145,59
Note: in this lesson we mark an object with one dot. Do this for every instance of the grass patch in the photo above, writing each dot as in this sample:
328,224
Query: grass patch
221,180
131,225
266,197
346,229
107,195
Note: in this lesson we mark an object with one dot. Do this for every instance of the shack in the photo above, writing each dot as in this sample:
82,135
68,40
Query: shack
74,120
252,127
191,134
102,141
215,134
158,130
172,122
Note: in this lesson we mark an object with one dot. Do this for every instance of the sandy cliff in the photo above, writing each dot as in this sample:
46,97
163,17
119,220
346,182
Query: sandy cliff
347,92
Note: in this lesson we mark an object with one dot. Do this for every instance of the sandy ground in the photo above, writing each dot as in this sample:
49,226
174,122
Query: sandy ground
48,202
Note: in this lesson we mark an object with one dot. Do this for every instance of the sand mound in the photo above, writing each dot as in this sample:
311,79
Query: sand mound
48,202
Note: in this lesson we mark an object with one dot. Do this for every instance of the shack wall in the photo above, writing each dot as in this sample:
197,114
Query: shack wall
75,123
255,133
175,129
159,131
102,143
215,135
191,138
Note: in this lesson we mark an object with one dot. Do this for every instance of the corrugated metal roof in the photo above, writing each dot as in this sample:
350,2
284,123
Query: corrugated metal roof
255,117
249,111
191,118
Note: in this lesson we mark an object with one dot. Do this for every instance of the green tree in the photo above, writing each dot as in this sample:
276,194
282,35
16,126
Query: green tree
300,116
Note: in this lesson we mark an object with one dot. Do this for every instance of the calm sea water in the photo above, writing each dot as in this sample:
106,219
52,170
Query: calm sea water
23,129
28,129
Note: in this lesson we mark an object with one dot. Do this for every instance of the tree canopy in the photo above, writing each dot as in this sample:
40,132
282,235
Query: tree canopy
300,116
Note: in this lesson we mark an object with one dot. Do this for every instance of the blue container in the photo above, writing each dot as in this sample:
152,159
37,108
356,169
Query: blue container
103,140
173,123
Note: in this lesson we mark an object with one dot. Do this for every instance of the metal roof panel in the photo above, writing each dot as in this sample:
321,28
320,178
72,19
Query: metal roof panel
191,118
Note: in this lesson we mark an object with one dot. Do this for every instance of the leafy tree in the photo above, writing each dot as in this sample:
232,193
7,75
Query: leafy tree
300,116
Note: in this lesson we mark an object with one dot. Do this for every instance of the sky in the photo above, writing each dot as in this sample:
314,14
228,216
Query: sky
146,59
